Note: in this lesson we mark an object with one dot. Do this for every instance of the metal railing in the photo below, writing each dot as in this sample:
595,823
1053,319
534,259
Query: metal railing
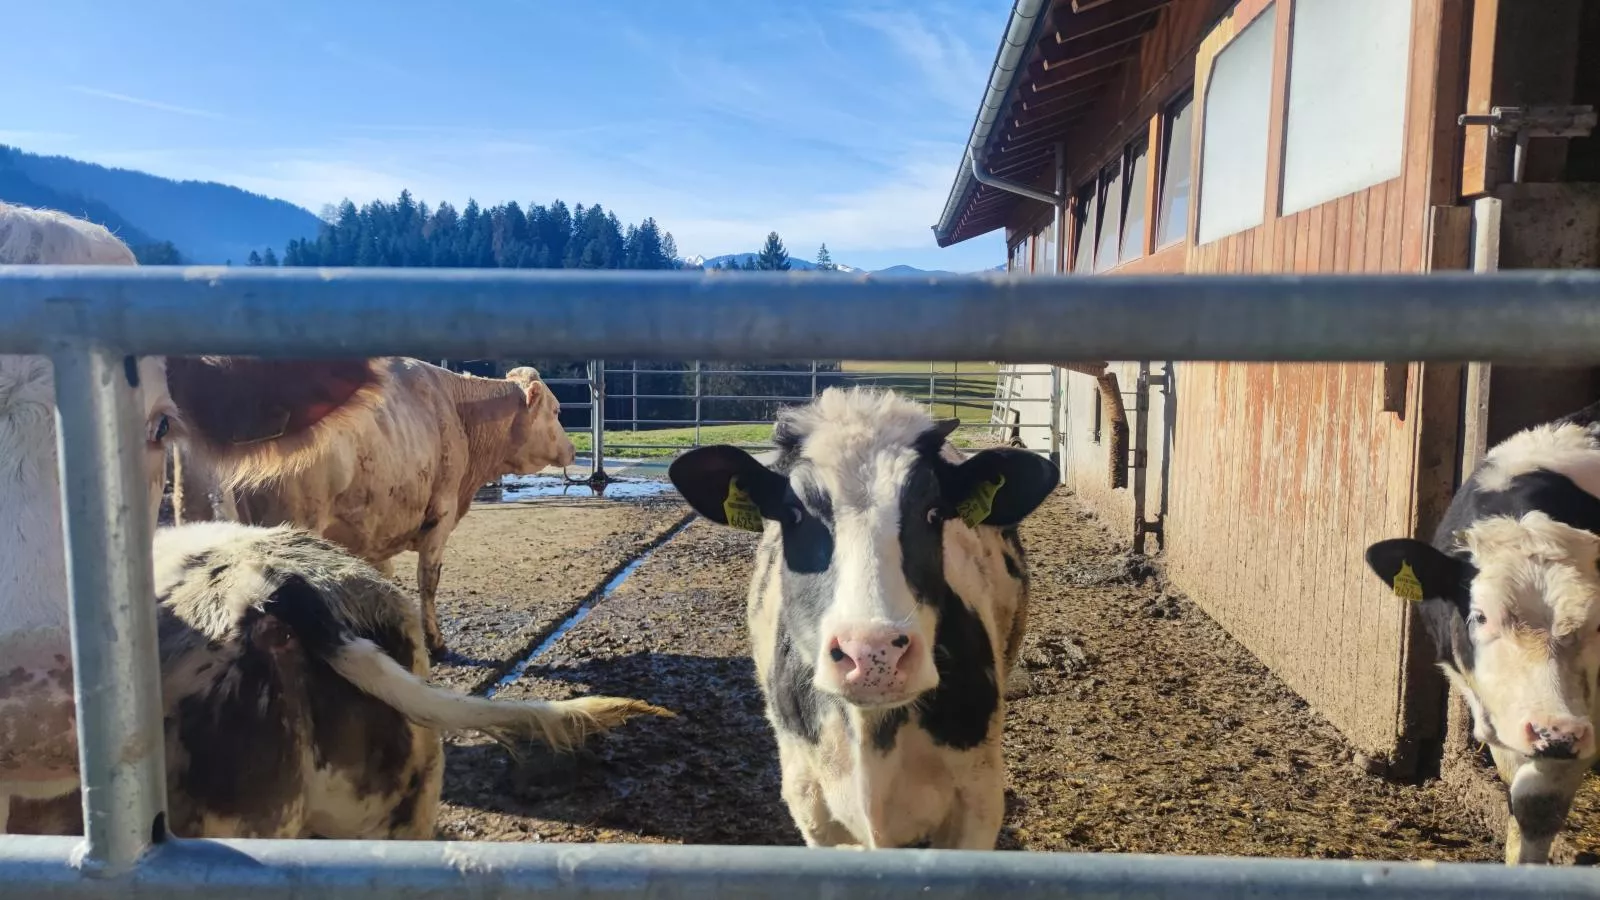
89,318
988,398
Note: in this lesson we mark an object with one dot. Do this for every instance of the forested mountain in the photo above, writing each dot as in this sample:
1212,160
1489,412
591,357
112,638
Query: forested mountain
208,222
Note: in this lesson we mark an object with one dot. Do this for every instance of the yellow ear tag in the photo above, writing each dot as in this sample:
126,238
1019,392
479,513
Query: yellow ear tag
980,502
740,511
1406,585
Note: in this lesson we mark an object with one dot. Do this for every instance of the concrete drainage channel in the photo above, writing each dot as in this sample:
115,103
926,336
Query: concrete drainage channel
613,582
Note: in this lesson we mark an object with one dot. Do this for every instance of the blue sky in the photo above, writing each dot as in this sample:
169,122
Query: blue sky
836,120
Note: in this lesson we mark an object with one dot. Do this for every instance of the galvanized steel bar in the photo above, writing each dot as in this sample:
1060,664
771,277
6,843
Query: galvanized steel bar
413,870
1549,318
101,447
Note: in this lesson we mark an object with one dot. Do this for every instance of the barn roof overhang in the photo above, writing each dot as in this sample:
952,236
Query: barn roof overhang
1056,63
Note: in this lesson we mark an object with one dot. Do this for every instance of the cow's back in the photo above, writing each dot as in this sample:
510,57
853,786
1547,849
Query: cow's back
382,479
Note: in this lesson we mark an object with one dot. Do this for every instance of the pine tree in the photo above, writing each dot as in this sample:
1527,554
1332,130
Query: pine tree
824,261
773,257
269,258
254,259
669,251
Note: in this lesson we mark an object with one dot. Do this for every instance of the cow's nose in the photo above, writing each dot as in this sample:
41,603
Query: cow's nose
868,657
1559,738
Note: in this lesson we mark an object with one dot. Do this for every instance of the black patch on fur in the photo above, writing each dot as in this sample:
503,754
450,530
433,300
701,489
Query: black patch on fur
1012,569
244,735
887,728
797,704
130,370
217,573
429,525
958,712
406,810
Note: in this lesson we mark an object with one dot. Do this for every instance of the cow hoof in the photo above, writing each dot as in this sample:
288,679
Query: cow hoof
438,652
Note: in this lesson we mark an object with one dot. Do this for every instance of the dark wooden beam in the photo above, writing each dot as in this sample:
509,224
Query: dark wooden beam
1056,55
1036,103
1070,26
1024,128
1077,70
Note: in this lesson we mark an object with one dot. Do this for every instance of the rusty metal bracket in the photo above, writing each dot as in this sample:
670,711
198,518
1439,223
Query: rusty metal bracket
1523,123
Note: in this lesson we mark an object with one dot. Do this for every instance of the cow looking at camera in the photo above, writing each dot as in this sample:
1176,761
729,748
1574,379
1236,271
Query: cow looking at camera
1510,594
886,613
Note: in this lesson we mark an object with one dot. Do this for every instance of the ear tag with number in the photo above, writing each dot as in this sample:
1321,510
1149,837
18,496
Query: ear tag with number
740,511
976,508
1406,586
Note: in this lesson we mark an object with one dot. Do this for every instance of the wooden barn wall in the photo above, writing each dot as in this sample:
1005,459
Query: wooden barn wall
1282,475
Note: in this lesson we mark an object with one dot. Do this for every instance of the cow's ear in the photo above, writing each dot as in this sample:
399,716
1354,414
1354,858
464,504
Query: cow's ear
233,401
728,486
1000,486
1416,571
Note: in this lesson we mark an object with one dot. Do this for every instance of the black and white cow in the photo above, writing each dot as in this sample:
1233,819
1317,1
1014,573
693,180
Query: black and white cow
886,613
1510,594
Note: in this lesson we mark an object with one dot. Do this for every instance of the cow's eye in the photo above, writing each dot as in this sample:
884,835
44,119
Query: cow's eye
935,515
795,513
163,425
1478,618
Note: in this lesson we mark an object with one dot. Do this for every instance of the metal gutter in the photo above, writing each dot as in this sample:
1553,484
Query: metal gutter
1026,16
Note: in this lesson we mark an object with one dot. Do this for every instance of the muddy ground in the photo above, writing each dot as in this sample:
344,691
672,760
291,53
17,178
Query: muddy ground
1147,729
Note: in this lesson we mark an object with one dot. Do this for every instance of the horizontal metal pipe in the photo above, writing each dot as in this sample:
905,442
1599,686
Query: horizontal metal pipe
803,373
406,870
1549,318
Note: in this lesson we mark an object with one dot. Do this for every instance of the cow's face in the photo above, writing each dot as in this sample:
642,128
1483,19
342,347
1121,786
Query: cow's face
862,519
537,438
1516,624
162,427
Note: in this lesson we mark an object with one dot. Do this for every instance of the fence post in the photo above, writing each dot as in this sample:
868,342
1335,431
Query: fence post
697,393
813,379
597,419
634,424
1055,415
100,444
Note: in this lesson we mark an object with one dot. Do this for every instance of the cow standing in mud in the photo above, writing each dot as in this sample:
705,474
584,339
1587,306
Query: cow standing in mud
886,613
1510,594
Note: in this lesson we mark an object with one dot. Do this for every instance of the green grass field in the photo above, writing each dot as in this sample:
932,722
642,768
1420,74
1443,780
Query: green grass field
965,391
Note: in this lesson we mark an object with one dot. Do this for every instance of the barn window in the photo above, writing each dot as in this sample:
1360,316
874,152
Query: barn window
1134,195
1083,258
1172,217
1110,204
1044,249
1233,161
1347,98
1019,257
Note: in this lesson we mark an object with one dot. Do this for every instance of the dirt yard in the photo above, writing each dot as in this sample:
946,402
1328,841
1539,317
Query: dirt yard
1147,728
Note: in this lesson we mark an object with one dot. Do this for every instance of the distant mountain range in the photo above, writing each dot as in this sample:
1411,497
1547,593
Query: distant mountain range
208,222
805,265
211,223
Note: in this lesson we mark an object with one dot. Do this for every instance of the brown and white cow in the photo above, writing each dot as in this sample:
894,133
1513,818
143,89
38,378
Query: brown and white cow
886,612
1510,594
291,405
401,468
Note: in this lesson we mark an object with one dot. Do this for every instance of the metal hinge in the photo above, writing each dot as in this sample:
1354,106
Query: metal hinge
1524,123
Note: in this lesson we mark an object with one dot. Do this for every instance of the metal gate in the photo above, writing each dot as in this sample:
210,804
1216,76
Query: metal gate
88,319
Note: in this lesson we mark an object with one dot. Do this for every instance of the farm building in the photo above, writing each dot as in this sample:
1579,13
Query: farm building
1122,137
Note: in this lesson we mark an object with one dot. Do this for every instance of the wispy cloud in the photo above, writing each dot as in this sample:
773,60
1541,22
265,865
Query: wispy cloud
147,104
931,40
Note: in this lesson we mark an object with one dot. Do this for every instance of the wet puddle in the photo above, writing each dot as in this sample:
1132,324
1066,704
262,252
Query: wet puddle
584,608
530,487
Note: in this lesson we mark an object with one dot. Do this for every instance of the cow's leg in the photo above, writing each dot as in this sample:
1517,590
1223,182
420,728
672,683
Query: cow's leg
385,567
983,807
1541,796
802,793
430,564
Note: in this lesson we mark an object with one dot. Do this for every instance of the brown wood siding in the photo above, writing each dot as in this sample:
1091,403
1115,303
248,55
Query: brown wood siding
1283,474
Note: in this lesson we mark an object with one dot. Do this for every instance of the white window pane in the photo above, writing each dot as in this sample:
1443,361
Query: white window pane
1174,220
1133,207
1083,259
1347,98
1110,220
1238,103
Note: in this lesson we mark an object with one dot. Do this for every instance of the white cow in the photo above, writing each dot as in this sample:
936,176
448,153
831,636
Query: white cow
886,611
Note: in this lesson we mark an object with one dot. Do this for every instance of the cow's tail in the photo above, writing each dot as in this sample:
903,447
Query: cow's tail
561,724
